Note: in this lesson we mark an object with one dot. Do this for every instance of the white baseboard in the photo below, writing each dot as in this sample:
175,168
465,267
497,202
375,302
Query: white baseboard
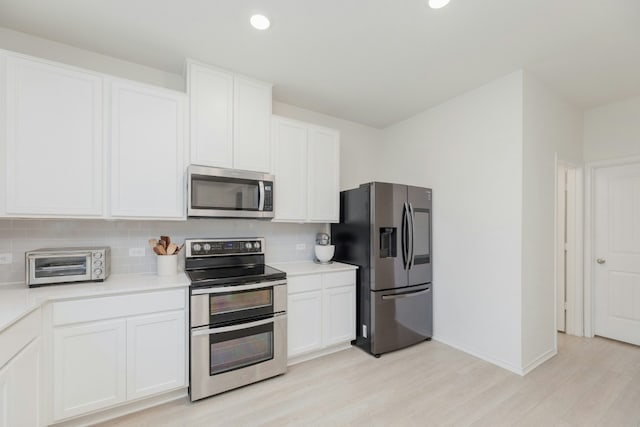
119,411
501,363
539,360
313,355
519,370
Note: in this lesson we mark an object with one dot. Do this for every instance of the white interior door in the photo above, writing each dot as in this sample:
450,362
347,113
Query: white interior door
617,252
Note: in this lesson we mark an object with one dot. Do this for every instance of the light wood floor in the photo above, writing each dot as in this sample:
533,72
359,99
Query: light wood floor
590,382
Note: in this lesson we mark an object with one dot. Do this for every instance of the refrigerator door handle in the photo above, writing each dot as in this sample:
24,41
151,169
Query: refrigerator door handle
405,236
412,237
405,295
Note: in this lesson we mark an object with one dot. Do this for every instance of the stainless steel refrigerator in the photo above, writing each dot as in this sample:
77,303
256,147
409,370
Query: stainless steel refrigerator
385,229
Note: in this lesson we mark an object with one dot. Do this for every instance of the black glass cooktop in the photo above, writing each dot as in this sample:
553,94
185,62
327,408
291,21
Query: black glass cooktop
234,275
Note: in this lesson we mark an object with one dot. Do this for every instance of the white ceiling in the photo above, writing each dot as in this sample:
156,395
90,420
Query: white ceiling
371,61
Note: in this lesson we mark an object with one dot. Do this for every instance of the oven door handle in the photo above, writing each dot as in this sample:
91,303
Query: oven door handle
206,330
238,288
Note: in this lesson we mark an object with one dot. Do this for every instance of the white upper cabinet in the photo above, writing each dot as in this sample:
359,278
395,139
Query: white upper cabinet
290,169
324,175
307,166
211,120
230,119
147,151
53,140
252,118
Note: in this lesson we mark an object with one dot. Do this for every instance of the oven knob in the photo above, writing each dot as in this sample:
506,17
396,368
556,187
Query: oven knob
256,245
247,245
196,247
207,247
97,263
97,255
97,272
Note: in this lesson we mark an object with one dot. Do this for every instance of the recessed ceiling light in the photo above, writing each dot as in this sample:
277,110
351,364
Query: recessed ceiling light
260,22
437,4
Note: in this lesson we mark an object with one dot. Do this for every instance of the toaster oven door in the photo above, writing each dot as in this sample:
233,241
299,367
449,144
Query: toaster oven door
58,268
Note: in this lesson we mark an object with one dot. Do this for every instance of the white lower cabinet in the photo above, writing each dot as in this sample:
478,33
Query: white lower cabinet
4,397
21,373
305,323
100,361
321,312
20,388
89,367
155,353
339,315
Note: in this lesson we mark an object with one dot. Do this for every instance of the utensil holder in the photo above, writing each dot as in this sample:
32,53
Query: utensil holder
167,265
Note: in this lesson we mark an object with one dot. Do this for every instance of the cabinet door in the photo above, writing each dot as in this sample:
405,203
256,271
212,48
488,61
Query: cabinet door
339,315
24,391
156,350
4,397
304,313
147,147
89,367
54,147
324,175
290,169
211,111
252,117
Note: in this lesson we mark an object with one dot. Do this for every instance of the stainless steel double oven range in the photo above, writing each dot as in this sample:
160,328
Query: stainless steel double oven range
238,321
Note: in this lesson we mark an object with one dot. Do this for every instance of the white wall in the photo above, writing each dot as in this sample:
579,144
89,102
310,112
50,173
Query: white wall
550,126
358,143
612,131
469,150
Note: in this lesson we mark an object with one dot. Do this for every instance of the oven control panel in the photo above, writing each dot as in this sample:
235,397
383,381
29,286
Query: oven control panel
221,247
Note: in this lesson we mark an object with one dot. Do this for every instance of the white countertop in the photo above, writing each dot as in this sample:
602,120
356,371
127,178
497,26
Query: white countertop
16,301
310,267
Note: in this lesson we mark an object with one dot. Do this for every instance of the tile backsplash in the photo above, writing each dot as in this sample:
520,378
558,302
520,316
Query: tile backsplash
20,235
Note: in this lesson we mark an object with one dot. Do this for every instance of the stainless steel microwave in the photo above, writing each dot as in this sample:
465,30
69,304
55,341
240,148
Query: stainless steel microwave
66,265
229,193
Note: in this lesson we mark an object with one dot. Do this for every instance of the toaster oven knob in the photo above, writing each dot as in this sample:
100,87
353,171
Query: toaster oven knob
97,272
97,263
97,255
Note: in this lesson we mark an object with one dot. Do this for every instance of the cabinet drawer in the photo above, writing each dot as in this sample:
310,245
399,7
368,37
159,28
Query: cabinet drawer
341,278
87,310
308,283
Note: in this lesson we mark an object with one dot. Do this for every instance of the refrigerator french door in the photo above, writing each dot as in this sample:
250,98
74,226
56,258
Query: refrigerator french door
386,229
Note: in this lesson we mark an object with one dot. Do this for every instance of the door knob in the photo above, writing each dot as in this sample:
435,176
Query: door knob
601,260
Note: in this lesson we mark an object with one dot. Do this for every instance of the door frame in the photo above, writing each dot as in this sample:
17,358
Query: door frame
589,240
574,267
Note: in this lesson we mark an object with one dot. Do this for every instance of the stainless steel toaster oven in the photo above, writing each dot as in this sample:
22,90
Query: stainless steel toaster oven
51,266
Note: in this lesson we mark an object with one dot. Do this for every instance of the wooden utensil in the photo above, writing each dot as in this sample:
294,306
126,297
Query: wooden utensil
153,243
160,249
172,248
156,249
167,240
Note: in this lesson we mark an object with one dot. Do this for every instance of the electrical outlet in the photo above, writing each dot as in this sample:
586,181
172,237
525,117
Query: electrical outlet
301,247
6,258
136,251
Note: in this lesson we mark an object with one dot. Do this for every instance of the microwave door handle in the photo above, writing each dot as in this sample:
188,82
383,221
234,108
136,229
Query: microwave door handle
261,195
